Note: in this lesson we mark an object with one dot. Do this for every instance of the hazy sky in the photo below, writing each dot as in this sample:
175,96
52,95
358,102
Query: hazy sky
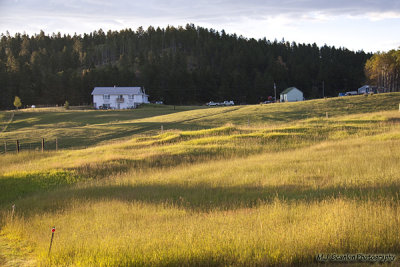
370,25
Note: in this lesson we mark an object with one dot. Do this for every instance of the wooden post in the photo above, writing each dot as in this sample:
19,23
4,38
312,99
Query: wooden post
326,115
17,146
162,128
56,144
5,147
13,211
42,144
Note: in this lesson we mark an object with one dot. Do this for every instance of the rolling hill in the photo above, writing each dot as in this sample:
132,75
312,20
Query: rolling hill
245,185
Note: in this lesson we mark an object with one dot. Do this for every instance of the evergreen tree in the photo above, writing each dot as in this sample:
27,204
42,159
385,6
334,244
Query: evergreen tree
178,65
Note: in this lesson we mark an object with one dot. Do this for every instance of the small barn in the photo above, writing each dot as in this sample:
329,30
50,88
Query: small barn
366,89
291,94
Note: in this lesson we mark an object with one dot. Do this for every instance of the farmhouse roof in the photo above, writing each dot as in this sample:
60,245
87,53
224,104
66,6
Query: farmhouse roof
117,91
287,90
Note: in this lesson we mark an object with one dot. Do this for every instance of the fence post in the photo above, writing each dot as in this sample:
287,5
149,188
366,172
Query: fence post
17,146
56,144
13,212
52,236
5,147
42,144
162,128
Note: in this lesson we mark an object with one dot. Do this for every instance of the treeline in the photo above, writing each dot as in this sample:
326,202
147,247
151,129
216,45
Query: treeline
181,65
383,70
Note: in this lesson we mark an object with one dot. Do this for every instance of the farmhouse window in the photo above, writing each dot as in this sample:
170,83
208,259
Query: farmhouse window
106,96
131,96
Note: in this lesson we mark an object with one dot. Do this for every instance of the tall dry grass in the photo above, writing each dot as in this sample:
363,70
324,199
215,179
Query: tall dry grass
252,211
234,195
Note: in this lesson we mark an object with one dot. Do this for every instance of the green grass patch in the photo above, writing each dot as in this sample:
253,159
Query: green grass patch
14,186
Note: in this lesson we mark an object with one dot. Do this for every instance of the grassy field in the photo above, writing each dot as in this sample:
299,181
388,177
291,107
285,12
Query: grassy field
81,129
253,185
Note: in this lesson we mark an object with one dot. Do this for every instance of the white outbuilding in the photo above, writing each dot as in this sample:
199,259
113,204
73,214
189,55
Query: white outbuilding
291,94
118,97
367,89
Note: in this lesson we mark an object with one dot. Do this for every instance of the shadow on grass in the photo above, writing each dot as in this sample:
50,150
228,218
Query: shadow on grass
78,137
19,186
14,187
81,137
88,117
203,197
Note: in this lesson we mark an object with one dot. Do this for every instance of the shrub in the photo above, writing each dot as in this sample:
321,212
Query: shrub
17,102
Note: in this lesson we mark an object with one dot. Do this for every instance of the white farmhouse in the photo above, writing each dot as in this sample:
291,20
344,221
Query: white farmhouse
291,94
118,97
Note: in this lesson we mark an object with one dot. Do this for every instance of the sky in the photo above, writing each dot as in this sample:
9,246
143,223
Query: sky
369,25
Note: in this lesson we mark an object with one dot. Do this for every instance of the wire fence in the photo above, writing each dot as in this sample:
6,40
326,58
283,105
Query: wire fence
40,144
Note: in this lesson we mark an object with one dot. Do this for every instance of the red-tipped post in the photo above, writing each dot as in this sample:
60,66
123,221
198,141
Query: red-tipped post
52,236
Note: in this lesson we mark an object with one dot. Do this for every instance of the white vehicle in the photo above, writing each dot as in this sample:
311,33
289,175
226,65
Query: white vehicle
211,103
228,103
352,93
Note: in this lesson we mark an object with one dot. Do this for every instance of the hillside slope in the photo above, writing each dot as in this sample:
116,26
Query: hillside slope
225,192
77,129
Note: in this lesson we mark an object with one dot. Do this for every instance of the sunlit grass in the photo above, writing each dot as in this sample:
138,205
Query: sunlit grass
243,211
116,232
211,189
